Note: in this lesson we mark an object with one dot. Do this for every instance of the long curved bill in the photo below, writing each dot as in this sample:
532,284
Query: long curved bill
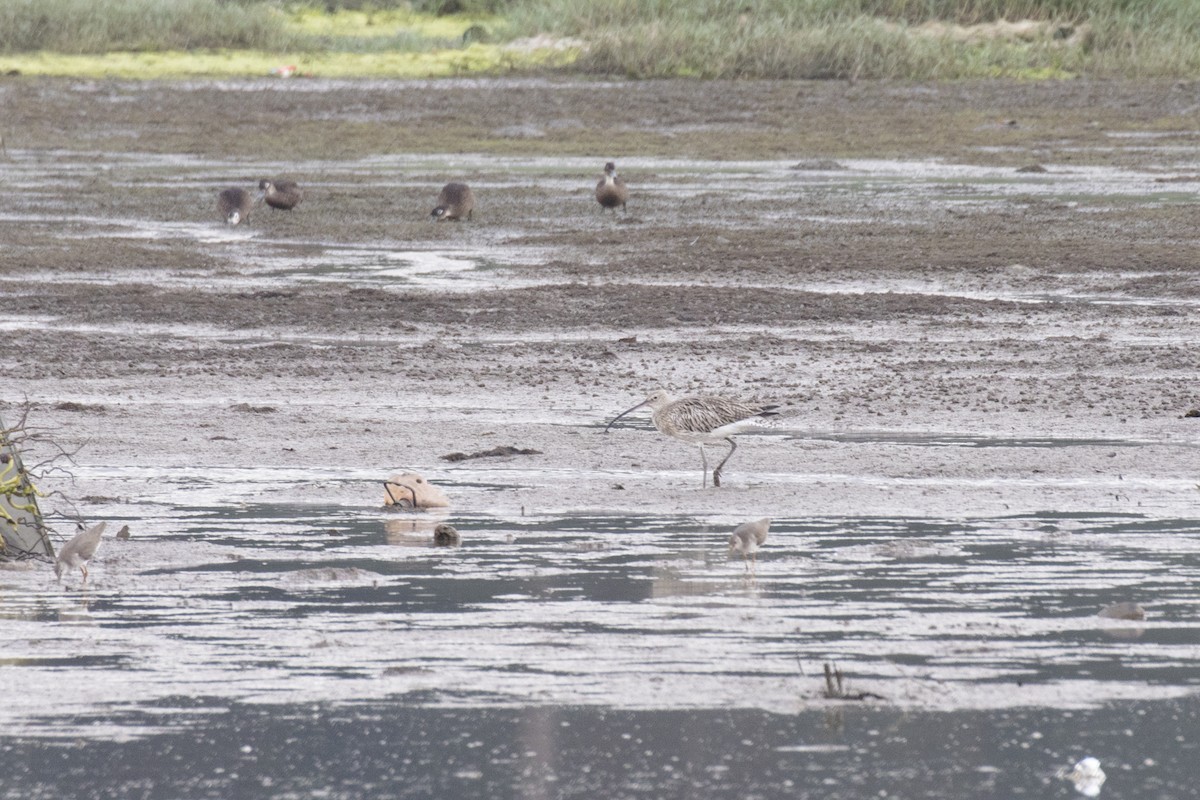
623,413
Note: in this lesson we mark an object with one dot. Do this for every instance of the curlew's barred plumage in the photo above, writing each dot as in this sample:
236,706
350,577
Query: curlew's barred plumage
703,419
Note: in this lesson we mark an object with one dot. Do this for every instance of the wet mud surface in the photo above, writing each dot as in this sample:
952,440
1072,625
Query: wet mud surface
985,374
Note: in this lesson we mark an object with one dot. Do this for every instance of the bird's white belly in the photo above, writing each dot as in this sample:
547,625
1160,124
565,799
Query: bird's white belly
718,434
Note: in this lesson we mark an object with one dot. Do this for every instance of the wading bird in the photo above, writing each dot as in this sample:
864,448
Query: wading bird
747,538
704,419
79,551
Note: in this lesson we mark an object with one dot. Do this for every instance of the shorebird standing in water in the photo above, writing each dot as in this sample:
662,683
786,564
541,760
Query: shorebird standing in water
747,538
701,420
611,191
79,551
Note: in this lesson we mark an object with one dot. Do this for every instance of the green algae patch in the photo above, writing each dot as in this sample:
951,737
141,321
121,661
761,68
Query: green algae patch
476,58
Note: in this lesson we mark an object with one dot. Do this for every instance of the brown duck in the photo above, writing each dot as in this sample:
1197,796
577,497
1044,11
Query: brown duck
454,202
611,191
284,195
234,205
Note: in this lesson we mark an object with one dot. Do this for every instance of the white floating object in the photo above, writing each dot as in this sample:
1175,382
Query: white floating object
410,490
1087,777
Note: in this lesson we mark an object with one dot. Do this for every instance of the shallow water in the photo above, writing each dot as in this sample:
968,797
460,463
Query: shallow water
229,590
260,646
388,749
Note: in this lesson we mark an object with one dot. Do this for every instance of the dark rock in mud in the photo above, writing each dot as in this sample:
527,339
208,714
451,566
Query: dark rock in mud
71,405
249,409
819,165
495,452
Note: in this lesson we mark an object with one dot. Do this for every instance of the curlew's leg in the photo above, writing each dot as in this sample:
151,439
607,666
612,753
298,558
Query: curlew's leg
717,470
704,474
83,569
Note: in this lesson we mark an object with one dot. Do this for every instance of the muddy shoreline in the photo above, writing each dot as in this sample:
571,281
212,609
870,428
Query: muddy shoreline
933,297
981,369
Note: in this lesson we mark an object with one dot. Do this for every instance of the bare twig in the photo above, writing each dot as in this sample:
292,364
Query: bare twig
835,686
21,435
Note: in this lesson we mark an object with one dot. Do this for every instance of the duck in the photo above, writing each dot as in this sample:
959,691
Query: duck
611,191
234,205
455,201
284,195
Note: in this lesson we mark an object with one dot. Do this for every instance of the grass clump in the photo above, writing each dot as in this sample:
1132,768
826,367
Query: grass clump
475,59
904,39
222,38
98,26
889,39
380,30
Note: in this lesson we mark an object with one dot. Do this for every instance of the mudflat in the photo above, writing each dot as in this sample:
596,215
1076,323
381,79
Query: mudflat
975,303
870,255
